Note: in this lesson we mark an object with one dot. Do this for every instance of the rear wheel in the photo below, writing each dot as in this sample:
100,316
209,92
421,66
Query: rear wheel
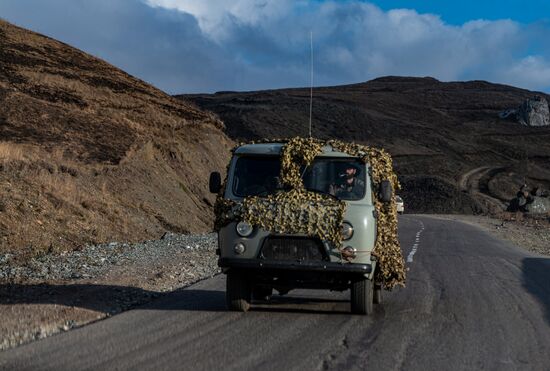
362,296
237,292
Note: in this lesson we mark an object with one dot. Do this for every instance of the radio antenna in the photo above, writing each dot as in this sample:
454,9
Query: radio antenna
311,80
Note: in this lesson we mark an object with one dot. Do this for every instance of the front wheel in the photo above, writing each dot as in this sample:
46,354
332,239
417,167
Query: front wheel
377,294
362,296
262,293
237,292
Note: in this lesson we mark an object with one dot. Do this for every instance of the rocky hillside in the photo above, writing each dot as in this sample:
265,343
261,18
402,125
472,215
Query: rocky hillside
452,151
89,153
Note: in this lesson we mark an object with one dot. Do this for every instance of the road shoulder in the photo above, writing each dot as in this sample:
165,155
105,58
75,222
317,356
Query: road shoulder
55,293
532,235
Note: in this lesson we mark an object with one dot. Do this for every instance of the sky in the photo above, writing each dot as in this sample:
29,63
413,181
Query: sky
204,46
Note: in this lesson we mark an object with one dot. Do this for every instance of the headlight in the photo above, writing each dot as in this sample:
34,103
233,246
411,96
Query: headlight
347,231
244,229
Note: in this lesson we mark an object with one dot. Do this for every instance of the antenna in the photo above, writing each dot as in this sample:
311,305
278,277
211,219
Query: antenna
311,85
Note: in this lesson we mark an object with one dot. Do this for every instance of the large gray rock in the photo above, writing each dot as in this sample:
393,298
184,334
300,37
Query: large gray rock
534,112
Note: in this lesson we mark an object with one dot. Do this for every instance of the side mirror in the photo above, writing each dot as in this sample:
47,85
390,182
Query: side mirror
386,191
215,182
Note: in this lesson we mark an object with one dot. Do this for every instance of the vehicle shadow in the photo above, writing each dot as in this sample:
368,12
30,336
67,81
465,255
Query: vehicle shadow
296,304
111,298
536,279
114,299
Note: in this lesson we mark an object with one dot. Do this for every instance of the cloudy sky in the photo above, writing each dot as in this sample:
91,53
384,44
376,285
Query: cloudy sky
188,46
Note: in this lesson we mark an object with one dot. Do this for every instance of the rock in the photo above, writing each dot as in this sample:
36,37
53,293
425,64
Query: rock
540,205
532,201
534,112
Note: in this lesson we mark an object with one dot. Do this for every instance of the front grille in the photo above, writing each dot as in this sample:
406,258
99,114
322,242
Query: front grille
292,248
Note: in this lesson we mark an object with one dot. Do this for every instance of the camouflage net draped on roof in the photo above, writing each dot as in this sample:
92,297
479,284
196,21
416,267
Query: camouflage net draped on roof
299,211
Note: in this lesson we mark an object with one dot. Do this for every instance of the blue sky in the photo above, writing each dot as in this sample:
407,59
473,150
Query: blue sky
458,12
186,46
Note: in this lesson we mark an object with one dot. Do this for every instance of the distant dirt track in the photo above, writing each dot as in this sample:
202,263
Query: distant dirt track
472,302
469,182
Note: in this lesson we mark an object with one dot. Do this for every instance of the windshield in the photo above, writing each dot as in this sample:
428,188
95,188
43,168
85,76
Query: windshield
340,177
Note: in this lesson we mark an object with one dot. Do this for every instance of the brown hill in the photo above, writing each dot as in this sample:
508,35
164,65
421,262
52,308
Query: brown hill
451,150
90,154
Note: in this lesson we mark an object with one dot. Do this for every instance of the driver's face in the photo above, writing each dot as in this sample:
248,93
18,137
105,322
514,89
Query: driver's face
350,171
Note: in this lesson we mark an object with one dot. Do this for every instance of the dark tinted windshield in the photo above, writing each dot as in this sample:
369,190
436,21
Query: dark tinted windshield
256,176
343,178
259,176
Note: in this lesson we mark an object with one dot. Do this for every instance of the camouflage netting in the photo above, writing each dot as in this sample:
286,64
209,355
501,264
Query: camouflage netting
299,211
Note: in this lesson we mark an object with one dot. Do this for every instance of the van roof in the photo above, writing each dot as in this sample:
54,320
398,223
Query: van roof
275,149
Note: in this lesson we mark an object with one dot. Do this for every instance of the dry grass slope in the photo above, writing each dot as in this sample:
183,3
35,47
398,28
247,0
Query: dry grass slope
90,154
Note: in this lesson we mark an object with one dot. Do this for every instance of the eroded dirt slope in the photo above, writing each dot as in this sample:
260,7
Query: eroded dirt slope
90,154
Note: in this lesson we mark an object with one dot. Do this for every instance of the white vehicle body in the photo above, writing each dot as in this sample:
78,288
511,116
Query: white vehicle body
400,204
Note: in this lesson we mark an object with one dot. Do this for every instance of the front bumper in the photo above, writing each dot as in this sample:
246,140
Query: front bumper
295,266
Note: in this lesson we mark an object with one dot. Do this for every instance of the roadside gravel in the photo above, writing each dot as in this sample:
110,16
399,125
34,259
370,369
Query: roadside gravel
96,260
53,293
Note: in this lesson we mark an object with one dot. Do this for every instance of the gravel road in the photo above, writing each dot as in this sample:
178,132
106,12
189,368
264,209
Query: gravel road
472,302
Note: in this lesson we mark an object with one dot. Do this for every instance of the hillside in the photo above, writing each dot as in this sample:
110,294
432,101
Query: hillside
90,154
451,150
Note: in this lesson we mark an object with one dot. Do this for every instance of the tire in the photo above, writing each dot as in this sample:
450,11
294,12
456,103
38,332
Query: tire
262,293
237,292
362,299
377,296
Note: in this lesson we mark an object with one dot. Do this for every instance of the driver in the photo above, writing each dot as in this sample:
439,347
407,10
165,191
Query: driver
348,184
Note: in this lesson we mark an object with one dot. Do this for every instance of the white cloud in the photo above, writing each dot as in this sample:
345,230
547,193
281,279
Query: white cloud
532,71
356,41
210,45
216,17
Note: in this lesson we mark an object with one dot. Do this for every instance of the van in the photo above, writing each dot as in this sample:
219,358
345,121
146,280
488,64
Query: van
262,257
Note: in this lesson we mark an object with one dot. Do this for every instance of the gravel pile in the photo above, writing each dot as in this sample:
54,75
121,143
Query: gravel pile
93,261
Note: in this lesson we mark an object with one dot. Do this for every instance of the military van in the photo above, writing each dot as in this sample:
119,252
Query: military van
274,237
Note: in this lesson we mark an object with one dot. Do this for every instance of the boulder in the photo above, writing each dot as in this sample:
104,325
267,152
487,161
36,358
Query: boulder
532,201
534,112
540,205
